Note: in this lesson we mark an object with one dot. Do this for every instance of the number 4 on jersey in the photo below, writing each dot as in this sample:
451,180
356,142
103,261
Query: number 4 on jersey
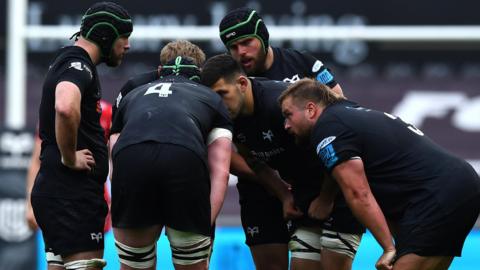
162,89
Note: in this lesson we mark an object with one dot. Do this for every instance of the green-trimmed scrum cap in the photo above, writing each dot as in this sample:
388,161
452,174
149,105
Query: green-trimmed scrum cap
242,23
104,23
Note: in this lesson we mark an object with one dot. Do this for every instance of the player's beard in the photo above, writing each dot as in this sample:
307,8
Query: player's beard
258,63
114,60
302,140
302,136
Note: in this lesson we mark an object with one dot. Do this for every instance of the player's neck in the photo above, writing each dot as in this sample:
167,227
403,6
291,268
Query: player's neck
91,48
269,59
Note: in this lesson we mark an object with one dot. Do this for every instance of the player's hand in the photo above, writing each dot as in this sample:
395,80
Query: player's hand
29,216
320,209
290,211
386,260
83,161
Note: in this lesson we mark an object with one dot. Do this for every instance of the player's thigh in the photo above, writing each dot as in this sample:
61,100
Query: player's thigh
442,236
262,221
71,226
270,256
136,195
415,262
138,237
186,196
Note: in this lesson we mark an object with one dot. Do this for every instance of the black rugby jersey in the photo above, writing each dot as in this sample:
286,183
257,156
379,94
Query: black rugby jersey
264,135
290,65
404,168
132,83
171,110
72,64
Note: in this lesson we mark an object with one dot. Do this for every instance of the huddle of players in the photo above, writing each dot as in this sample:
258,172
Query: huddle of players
171,150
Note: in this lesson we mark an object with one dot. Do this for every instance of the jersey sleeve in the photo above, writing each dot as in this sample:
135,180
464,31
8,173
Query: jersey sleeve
126,88
117,120
335,143
77,72
319,71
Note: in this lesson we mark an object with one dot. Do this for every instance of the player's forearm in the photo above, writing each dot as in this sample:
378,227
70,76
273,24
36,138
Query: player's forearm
66,127
329,190
218,191
270,179
219,153
240,168
366,209
350,176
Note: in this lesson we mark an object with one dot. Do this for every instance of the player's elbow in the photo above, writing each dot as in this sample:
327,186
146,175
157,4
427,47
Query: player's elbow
64,109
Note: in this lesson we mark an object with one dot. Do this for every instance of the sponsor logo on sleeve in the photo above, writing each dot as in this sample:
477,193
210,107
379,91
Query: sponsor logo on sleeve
324,77
326,152
316,66
325,142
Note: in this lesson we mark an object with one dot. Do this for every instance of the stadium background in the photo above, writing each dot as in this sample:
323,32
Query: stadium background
433,85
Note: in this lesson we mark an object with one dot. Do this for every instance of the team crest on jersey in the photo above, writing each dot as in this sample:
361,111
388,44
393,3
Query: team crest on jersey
253,230
293,79
76,65
96,236
316,66
268,135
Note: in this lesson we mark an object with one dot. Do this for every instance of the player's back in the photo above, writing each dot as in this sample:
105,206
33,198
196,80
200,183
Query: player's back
171,110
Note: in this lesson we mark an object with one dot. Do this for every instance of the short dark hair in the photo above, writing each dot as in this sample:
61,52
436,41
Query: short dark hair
310,90
220,66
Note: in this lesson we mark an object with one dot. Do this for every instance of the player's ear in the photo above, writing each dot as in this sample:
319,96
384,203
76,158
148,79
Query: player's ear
311,109
242,81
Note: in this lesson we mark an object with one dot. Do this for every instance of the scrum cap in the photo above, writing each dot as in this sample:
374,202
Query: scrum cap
103,24
242,23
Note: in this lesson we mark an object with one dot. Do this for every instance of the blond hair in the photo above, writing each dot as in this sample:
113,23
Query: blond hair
183,48
310,90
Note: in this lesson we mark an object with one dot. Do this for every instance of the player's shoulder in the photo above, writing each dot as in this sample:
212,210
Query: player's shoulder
293,54
73,55
72,58
139,80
